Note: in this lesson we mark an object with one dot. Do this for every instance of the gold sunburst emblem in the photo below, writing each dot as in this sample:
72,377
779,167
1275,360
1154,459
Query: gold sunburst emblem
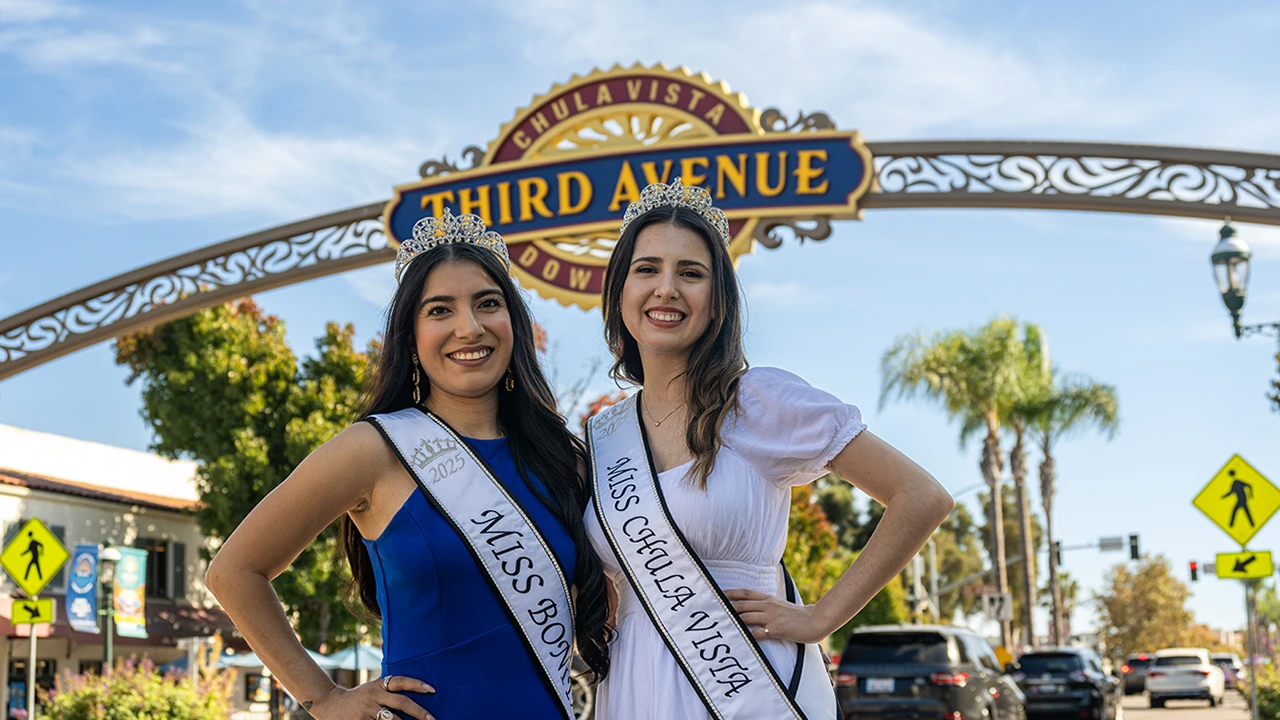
622,108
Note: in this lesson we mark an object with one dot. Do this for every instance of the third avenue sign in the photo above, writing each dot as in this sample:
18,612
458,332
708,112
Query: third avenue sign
558,177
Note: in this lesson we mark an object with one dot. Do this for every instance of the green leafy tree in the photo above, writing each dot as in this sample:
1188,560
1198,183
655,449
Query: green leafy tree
222,387
1067,405
835,497
1018,571
816,561
960,548
1069,597
976,377
1143,608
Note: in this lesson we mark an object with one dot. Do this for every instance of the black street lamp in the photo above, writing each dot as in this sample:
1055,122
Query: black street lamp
107,560
1230,260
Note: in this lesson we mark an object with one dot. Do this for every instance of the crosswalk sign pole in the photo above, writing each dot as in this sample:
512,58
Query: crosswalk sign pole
1252,639
31,674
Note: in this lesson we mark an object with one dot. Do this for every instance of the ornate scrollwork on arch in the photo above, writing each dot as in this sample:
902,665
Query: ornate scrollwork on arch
767,230
1078,176
773,120
801,229
182,285
432,168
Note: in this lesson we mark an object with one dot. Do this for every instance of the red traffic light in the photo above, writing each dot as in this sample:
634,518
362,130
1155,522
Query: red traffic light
1195,573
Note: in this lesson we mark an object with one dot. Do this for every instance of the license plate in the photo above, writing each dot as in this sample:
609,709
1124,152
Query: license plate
879,685
1047,689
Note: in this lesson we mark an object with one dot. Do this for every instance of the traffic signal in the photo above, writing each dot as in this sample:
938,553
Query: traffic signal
1195,571
1057,552
1133,548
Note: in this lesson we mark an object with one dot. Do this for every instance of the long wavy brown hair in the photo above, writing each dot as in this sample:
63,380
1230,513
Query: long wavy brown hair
540,443
716,361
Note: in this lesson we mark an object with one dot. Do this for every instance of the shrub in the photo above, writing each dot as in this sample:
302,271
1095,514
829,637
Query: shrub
1268,692
137,691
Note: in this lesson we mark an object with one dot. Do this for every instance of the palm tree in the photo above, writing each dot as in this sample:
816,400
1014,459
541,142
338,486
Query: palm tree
1069,405
976,377
1036,376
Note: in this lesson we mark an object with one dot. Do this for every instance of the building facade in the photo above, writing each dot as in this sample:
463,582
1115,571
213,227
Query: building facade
90,493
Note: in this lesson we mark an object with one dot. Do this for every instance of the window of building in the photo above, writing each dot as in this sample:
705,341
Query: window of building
166,567
157,565
91,666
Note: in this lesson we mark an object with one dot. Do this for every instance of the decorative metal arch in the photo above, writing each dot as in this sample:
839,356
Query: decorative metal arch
1143,179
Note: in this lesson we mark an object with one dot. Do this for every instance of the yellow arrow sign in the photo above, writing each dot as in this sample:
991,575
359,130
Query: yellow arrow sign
33,612
33,557
1247,565
1239,499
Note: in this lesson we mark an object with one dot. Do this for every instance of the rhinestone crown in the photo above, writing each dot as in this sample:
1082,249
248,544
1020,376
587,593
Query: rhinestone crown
677,194
431,232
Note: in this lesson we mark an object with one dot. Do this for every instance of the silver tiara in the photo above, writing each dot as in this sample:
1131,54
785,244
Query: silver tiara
677,194
430,232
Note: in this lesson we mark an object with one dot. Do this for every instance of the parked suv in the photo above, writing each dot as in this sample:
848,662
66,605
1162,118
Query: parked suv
1184,674
1134,672
924,671
1068,680
1232,668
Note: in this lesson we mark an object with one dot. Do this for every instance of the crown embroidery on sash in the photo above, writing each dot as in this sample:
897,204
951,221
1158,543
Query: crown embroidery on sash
428,451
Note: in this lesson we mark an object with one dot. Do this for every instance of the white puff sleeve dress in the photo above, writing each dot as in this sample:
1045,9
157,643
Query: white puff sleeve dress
784,434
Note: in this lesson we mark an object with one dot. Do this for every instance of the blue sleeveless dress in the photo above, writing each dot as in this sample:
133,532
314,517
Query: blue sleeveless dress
441,621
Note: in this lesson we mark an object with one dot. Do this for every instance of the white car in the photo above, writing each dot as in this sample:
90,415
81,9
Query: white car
1184,674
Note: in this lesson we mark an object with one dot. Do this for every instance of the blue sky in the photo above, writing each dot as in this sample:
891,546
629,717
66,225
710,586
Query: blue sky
134,131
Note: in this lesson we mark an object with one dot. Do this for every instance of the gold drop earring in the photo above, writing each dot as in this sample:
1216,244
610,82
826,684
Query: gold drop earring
510,384
417,394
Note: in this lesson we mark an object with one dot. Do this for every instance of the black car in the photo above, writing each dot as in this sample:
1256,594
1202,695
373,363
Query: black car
1135,672
1068,681
924,671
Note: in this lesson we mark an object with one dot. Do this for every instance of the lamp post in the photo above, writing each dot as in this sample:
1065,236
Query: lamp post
1230,260
107,560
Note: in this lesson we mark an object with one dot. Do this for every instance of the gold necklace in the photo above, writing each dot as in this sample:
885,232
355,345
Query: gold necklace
657,423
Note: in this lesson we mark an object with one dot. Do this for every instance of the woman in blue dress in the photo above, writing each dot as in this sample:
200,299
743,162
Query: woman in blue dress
458,347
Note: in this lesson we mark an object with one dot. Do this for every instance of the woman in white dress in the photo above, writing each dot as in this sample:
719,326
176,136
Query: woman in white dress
726,445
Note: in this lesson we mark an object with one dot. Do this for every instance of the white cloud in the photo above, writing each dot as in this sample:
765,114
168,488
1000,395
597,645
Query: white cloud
781,294
887,71
1263,240
226,164
52,49
375,284
14,11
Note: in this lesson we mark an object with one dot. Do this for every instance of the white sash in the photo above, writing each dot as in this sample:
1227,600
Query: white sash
710,642
516,558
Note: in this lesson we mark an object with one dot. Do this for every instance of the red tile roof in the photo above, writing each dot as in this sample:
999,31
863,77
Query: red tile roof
95,492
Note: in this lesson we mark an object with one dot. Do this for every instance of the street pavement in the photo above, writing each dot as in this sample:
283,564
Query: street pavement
1233,708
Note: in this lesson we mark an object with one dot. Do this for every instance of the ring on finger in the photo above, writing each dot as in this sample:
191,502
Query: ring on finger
385,714
766,632
386,683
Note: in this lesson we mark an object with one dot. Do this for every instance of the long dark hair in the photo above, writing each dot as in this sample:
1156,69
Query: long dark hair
540,442
716,362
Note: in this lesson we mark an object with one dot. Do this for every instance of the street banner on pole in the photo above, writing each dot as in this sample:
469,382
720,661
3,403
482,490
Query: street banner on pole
131,593
82,589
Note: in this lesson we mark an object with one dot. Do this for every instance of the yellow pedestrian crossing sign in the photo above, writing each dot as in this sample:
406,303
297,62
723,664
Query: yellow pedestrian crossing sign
1247,565
33,557
1239,499
33,612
